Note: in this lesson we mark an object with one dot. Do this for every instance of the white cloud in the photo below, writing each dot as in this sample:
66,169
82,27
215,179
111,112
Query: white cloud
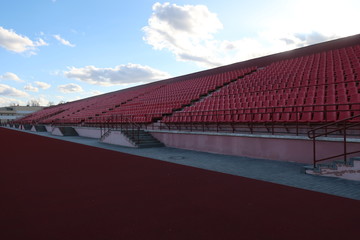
70,88
305,39
6,101
11,76
31,88
42,85
328,17
14,42
63,41
189,32
119,75
6,90
95,92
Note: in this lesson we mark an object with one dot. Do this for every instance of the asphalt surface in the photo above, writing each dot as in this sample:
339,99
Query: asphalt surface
284,173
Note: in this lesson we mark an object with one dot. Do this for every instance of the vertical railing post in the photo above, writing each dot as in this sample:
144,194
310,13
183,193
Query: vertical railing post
314,150
345,157
191,121
217,121
251,120
297,120
272,120
203,122
326,119
138,134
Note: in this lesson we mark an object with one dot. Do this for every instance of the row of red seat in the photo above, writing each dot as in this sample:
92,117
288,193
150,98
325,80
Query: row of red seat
159,97
174,95
286,114
322,81
288,84
94,106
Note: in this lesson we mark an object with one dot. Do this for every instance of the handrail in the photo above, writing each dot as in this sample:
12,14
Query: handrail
108,125
344,126
331,124
249,116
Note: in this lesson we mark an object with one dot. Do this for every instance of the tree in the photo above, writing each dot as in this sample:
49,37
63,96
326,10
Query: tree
33,103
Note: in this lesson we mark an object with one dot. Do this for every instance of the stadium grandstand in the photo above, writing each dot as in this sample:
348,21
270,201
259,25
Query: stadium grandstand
301,105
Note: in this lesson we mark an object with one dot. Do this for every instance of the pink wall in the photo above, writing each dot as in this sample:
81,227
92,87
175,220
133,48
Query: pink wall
88,132
48,128
56,131
292,150
117,138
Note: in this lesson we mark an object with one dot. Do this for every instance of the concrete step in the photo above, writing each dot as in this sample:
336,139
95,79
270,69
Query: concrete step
142,139
347,170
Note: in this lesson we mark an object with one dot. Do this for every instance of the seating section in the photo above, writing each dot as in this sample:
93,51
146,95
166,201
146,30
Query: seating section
314,88
172,96
43,114
140,104
81,110
87,109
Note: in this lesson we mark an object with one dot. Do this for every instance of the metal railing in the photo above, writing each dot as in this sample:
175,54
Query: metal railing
119,122
294,117
341,126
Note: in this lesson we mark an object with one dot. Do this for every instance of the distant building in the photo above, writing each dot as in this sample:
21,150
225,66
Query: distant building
15,112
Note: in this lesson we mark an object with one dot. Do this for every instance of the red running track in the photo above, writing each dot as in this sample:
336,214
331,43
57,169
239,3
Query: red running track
52,189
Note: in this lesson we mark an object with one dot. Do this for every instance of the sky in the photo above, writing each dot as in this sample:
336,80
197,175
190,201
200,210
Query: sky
54,51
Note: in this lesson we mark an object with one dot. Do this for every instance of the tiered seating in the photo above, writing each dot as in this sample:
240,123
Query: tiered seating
43,114
82,110
174,95
315,88
316,84
139,104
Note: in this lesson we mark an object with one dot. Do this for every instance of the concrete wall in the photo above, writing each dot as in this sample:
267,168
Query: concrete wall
88,132
117,138
48,128
56,131
295,149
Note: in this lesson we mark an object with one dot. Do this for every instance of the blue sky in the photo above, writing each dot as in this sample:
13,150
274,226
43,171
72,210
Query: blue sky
64,50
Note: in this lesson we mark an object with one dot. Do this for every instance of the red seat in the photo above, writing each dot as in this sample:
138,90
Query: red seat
228,117
285,115
355,108
198,118
258,114
306,114
330,113
318,115
354,98
330,99
344,111
342,99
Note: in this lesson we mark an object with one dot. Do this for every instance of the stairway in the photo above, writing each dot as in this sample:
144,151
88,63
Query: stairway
203,96
145,140
105,135
339,169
